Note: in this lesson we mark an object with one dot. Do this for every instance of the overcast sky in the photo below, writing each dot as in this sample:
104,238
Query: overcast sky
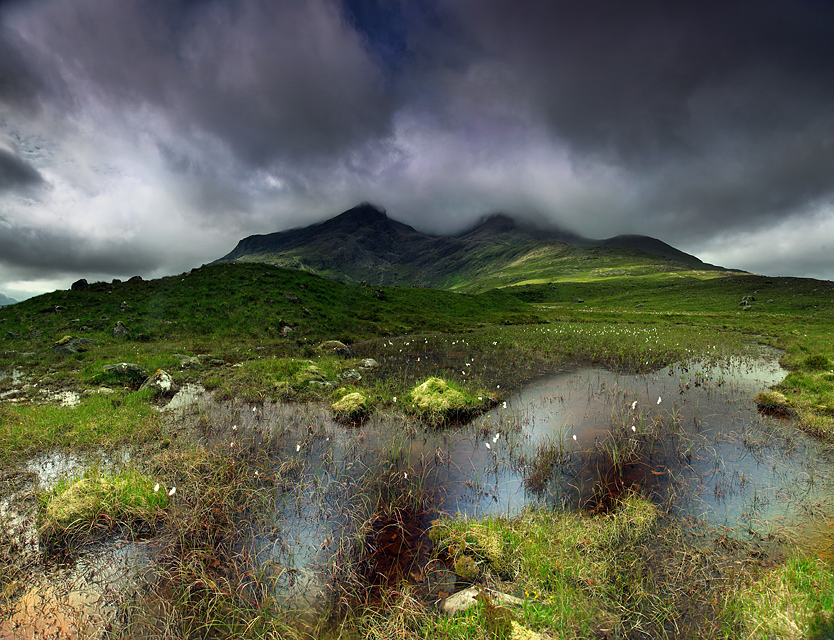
148,136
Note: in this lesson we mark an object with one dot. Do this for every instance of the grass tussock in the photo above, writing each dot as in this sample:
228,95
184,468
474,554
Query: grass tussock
82,508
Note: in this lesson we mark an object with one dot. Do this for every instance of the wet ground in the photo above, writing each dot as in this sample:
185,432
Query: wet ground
690,438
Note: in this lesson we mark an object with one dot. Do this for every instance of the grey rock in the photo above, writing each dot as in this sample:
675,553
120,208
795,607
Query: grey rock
286,331
351,375
578,300
369,363
291,297
124,306
121,330
80,285
464,600
188,362
127,369
161,382
71,344
135,279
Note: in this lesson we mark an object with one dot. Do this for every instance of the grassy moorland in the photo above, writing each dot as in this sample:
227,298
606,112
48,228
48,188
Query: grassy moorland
254,333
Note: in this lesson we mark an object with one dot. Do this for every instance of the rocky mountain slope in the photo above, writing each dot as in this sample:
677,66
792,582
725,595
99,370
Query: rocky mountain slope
364,245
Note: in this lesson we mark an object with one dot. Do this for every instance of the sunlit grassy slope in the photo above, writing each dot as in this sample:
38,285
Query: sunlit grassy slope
219,309
245,302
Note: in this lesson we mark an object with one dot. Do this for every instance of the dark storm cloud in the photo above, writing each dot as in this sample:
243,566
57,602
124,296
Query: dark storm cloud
273,80
721,109
15,172
163,131
640,78
40,252
19,83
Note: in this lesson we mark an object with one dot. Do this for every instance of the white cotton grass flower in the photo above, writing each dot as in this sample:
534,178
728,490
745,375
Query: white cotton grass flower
574,437
172,491
505,404
297,448
405,475
495,438
488,446
232,445
156,487
634,405
634,429
234,427
658,400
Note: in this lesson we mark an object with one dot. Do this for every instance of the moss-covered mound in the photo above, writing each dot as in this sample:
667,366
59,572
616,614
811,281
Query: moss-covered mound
353,407
438,402
773,403
97,503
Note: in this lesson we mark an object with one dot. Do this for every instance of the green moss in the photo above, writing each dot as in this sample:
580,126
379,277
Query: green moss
437,401
351,408
98,502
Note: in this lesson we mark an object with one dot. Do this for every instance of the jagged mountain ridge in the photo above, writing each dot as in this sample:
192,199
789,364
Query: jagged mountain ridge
364,244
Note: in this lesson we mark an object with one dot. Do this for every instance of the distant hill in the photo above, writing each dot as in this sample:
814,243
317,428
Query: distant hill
364,245
4,300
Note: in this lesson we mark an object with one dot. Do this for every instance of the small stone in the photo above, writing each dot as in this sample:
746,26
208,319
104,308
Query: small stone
351,375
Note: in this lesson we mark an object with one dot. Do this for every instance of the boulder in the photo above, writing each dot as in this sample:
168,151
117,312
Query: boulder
351,375
126,371
121,330
188,362
369,363
80,285
162,384
468,598
71,344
